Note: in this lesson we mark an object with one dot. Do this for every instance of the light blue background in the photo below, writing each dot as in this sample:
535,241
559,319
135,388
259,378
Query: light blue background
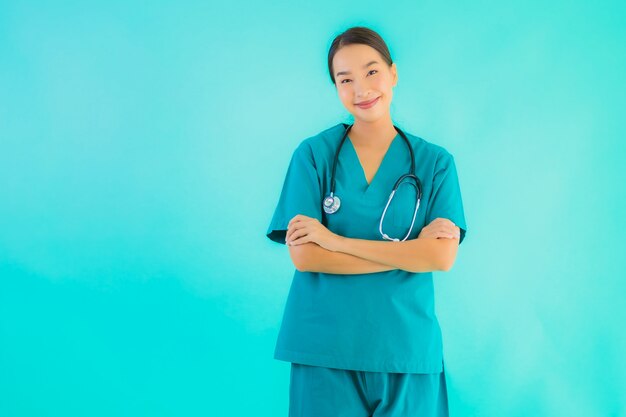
142,151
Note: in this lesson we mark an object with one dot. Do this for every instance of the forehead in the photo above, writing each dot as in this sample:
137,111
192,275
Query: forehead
353,57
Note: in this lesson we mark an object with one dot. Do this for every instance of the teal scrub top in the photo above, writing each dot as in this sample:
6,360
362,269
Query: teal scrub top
377,322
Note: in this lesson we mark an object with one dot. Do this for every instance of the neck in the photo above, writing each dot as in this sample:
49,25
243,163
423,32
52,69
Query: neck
376,133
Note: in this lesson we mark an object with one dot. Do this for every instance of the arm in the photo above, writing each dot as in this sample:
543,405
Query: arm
416,255
435,251
314,258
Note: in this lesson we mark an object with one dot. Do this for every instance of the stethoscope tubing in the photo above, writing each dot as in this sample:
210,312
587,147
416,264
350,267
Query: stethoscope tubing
335,201
397,184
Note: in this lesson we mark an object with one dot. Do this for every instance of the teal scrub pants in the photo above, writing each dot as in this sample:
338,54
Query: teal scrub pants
317,391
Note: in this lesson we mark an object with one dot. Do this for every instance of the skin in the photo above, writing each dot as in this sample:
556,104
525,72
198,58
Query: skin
312,246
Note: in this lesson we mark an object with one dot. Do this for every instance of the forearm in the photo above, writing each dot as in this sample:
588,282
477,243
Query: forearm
315,258
415,255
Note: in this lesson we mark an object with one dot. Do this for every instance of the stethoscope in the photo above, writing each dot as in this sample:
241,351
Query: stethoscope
332,202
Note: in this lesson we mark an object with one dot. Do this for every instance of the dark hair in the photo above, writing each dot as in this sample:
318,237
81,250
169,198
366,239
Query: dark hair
358,35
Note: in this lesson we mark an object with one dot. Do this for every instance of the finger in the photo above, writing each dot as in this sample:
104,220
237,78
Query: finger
300,240
446,232
292,229
452,235
442,229
444,220
299,218
297,234
445,236
438,222
453,231
294,219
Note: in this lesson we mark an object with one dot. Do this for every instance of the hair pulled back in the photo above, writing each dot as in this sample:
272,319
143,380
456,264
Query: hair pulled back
357,35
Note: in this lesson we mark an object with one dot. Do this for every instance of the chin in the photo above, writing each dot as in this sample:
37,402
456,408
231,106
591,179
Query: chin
367,115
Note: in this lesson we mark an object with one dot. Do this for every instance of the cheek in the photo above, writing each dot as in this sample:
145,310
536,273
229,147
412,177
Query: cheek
345,95
384,87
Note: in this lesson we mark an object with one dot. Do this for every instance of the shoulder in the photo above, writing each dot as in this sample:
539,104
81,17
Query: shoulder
321,145
426,146
429,152
326,138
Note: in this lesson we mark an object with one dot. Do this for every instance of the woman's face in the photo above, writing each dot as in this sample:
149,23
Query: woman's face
358,82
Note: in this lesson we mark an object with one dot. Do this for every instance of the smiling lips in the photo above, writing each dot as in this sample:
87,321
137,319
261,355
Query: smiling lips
367,104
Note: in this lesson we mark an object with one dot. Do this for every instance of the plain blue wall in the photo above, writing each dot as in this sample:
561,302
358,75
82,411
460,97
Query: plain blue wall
142,151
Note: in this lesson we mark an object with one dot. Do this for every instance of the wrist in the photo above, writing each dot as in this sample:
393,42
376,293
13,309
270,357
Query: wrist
340,242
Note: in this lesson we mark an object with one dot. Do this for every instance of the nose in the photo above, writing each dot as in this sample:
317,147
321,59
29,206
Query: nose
361,89
363,93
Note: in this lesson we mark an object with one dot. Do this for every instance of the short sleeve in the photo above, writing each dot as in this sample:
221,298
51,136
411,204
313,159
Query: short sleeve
301,193
445,200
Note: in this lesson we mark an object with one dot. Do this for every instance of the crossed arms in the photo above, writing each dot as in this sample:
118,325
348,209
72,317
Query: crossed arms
361,256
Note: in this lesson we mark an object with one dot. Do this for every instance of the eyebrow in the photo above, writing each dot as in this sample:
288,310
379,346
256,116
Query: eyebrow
348,72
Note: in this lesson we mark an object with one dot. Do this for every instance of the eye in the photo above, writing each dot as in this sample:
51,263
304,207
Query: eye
347,79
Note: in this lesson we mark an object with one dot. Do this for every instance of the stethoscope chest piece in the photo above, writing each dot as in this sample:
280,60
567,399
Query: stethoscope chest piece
331,204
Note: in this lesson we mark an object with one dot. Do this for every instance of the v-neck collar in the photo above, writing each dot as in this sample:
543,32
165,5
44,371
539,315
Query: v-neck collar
359,167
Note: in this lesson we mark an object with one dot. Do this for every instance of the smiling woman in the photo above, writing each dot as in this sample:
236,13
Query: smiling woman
359,325
364,78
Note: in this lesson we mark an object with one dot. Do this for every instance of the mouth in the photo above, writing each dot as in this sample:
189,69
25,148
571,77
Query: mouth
367,104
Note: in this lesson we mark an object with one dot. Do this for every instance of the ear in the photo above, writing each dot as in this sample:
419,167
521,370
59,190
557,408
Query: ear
394,73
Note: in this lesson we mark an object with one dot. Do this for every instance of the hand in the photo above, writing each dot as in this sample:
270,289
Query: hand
440,228
303,229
